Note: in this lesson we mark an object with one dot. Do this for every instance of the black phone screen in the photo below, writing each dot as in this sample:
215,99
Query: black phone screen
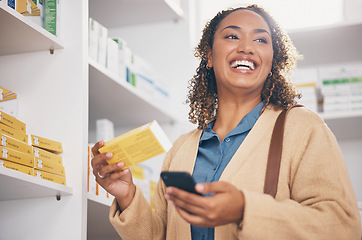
181,180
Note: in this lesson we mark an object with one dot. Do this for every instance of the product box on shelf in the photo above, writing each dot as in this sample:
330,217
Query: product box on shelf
122,69
17,167
15,144
102,45
46,155
11,132
93,40
306,82
8,102
47,144
153,186
51,16
26,7
50,177
49,166
104,129
17,157
112,56
37,15
12,122
341,87
138,145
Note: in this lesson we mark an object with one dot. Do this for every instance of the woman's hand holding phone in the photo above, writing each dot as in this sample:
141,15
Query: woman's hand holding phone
226,205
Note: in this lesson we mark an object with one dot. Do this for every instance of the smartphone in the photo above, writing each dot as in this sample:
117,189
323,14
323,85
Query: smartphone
181,180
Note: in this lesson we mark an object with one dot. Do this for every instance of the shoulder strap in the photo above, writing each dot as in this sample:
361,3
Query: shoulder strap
275,154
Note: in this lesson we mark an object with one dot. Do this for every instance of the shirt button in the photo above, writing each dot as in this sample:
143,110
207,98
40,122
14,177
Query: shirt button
227,140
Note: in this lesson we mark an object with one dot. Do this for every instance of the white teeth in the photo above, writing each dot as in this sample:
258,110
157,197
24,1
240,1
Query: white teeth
243,64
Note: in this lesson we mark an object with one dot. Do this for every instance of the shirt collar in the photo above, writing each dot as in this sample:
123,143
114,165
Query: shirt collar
246,124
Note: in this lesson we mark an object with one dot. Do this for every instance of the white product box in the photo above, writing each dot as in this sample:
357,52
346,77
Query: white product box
102,45
104,129
112,56
93,39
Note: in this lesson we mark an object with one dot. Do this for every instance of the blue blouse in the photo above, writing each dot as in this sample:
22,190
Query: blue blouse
213,156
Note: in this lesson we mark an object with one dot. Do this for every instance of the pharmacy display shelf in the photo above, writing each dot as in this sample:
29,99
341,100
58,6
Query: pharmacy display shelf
20,35
335,43
99,199
118,13
345,125
98,224
17,185
120,102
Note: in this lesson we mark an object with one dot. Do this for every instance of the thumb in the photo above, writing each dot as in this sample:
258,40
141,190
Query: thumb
213,187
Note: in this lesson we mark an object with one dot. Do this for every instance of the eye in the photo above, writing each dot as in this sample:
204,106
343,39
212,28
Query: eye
261,40
231,36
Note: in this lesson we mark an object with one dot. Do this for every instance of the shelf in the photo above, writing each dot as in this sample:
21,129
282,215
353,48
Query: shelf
100,200
345,125
17,185
330,44
120,102
117,13
98,224
21,35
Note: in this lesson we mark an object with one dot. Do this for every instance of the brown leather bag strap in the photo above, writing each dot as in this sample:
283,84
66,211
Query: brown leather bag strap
275,154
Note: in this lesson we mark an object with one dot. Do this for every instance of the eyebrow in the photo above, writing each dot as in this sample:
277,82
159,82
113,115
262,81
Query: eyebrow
258,30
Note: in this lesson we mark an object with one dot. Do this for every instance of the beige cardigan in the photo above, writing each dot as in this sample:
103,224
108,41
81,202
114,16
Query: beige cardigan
315,199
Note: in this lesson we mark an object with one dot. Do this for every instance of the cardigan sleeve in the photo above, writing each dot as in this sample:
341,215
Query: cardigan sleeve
138,221
322,203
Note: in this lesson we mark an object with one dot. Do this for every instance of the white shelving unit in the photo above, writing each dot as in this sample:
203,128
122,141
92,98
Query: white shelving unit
120,102
339,43
16,185
123,104
21,35
117,13
52,101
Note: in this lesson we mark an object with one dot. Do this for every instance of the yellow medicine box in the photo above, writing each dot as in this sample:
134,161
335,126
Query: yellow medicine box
17,157
17,167
12,122
11,132
46,144
46,155
14,144
49,166
137,145
50,177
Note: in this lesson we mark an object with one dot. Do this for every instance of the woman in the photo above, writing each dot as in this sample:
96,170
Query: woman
235,97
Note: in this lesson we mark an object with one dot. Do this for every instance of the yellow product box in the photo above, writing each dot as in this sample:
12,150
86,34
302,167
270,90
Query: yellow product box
17,167
153,186
25,6
50,177
12,122
46,144
14,144
137,145
137,172
49,166
17,157
11,132
46,155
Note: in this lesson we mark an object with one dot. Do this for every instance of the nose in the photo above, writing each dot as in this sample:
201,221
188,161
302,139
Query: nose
245,46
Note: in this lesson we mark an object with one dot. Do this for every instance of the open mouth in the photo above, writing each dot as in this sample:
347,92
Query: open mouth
243,64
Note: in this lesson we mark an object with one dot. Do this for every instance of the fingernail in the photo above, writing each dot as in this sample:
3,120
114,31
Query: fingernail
120,164
169,190
199,187
109,155
167,196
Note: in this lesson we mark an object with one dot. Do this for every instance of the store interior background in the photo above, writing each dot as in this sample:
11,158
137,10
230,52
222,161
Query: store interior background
54,95
168,46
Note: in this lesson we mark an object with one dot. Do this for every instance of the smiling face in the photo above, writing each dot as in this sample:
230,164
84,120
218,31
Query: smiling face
242,53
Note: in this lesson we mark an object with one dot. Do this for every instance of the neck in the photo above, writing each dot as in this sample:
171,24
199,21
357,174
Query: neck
230,112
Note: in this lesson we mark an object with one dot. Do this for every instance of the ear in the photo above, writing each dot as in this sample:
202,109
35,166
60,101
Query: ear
209,58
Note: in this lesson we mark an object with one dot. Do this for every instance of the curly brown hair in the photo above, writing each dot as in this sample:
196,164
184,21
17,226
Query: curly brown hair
277,89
